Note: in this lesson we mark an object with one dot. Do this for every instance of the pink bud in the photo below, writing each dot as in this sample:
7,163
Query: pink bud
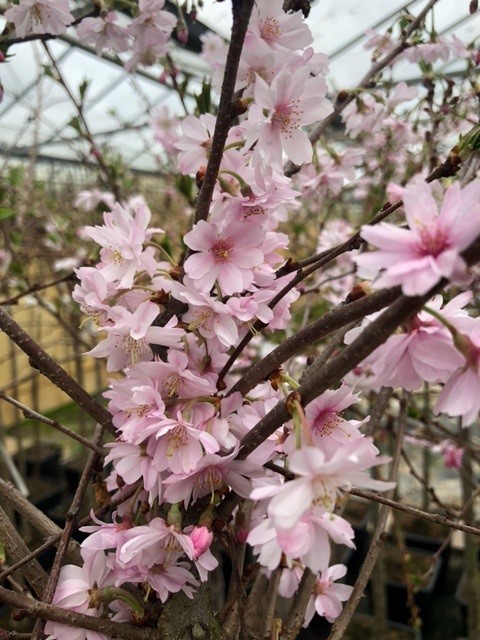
202,538
182,34
163,77
241,535
2,56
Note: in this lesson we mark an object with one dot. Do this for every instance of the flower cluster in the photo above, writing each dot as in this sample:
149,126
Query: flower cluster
179,424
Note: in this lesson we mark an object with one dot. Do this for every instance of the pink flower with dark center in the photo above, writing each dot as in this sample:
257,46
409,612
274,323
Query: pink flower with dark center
327,597
419,257
213,473
293,100
270,23
227,256
39,16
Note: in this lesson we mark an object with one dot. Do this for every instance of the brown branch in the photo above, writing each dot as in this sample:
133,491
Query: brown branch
33,415
73,555
342,622
296,614
11,496
425,515
16,548
329,322
54,372
72,515
344,100
36,286
35,609
241,17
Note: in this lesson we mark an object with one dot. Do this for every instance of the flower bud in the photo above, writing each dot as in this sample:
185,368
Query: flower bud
202,538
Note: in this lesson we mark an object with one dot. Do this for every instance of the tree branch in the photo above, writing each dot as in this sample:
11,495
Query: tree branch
329,322
54,372
34,415
241,18
66,535
35,609
342,102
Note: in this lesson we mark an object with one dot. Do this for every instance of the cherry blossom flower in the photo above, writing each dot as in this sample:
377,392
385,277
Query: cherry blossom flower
227,256
293,100
73,593
122,239
103,33
417,258
155,543
212,473
320,479
328,597
452,455
180,445
270,23
460,396
39,16
131,334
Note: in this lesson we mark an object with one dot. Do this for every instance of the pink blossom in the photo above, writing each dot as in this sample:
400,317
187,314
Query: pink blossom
276,28
461,394
155,543
327,427
39,16
227,256
130,336
122,239
293,100
212,473
103,33
452,455
212,318
174,378
73,593
419,257
166,128
327,597
320,479
202,539
180,445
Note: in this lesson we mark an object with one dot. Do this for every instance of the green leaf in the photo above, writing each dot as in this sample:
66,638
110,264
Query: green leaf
6,212
82,89
76,124
204,98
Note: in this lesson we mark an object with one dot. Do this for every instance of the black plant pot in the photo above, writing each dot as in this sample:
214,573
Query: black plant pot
42,460
46,492
398,610
432,545
461,599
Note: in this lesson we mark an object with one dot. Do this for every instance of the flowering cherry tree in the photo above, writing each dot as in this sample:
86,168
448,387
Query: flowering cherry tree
219,437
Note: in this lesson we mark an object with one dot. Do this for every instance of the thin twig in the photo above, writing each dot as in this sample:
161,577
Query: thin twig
72,515
374,70
241,18
33,415
36,610
342,622
54,372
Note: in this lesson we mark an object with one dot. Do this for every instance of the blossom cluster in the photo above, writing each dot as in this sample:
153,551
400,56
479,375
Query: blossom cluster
179,429
179,426
146,36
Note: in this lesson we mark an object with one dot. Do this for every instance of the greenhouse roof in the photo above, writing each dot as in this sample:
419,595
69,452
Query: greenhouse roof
36,110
